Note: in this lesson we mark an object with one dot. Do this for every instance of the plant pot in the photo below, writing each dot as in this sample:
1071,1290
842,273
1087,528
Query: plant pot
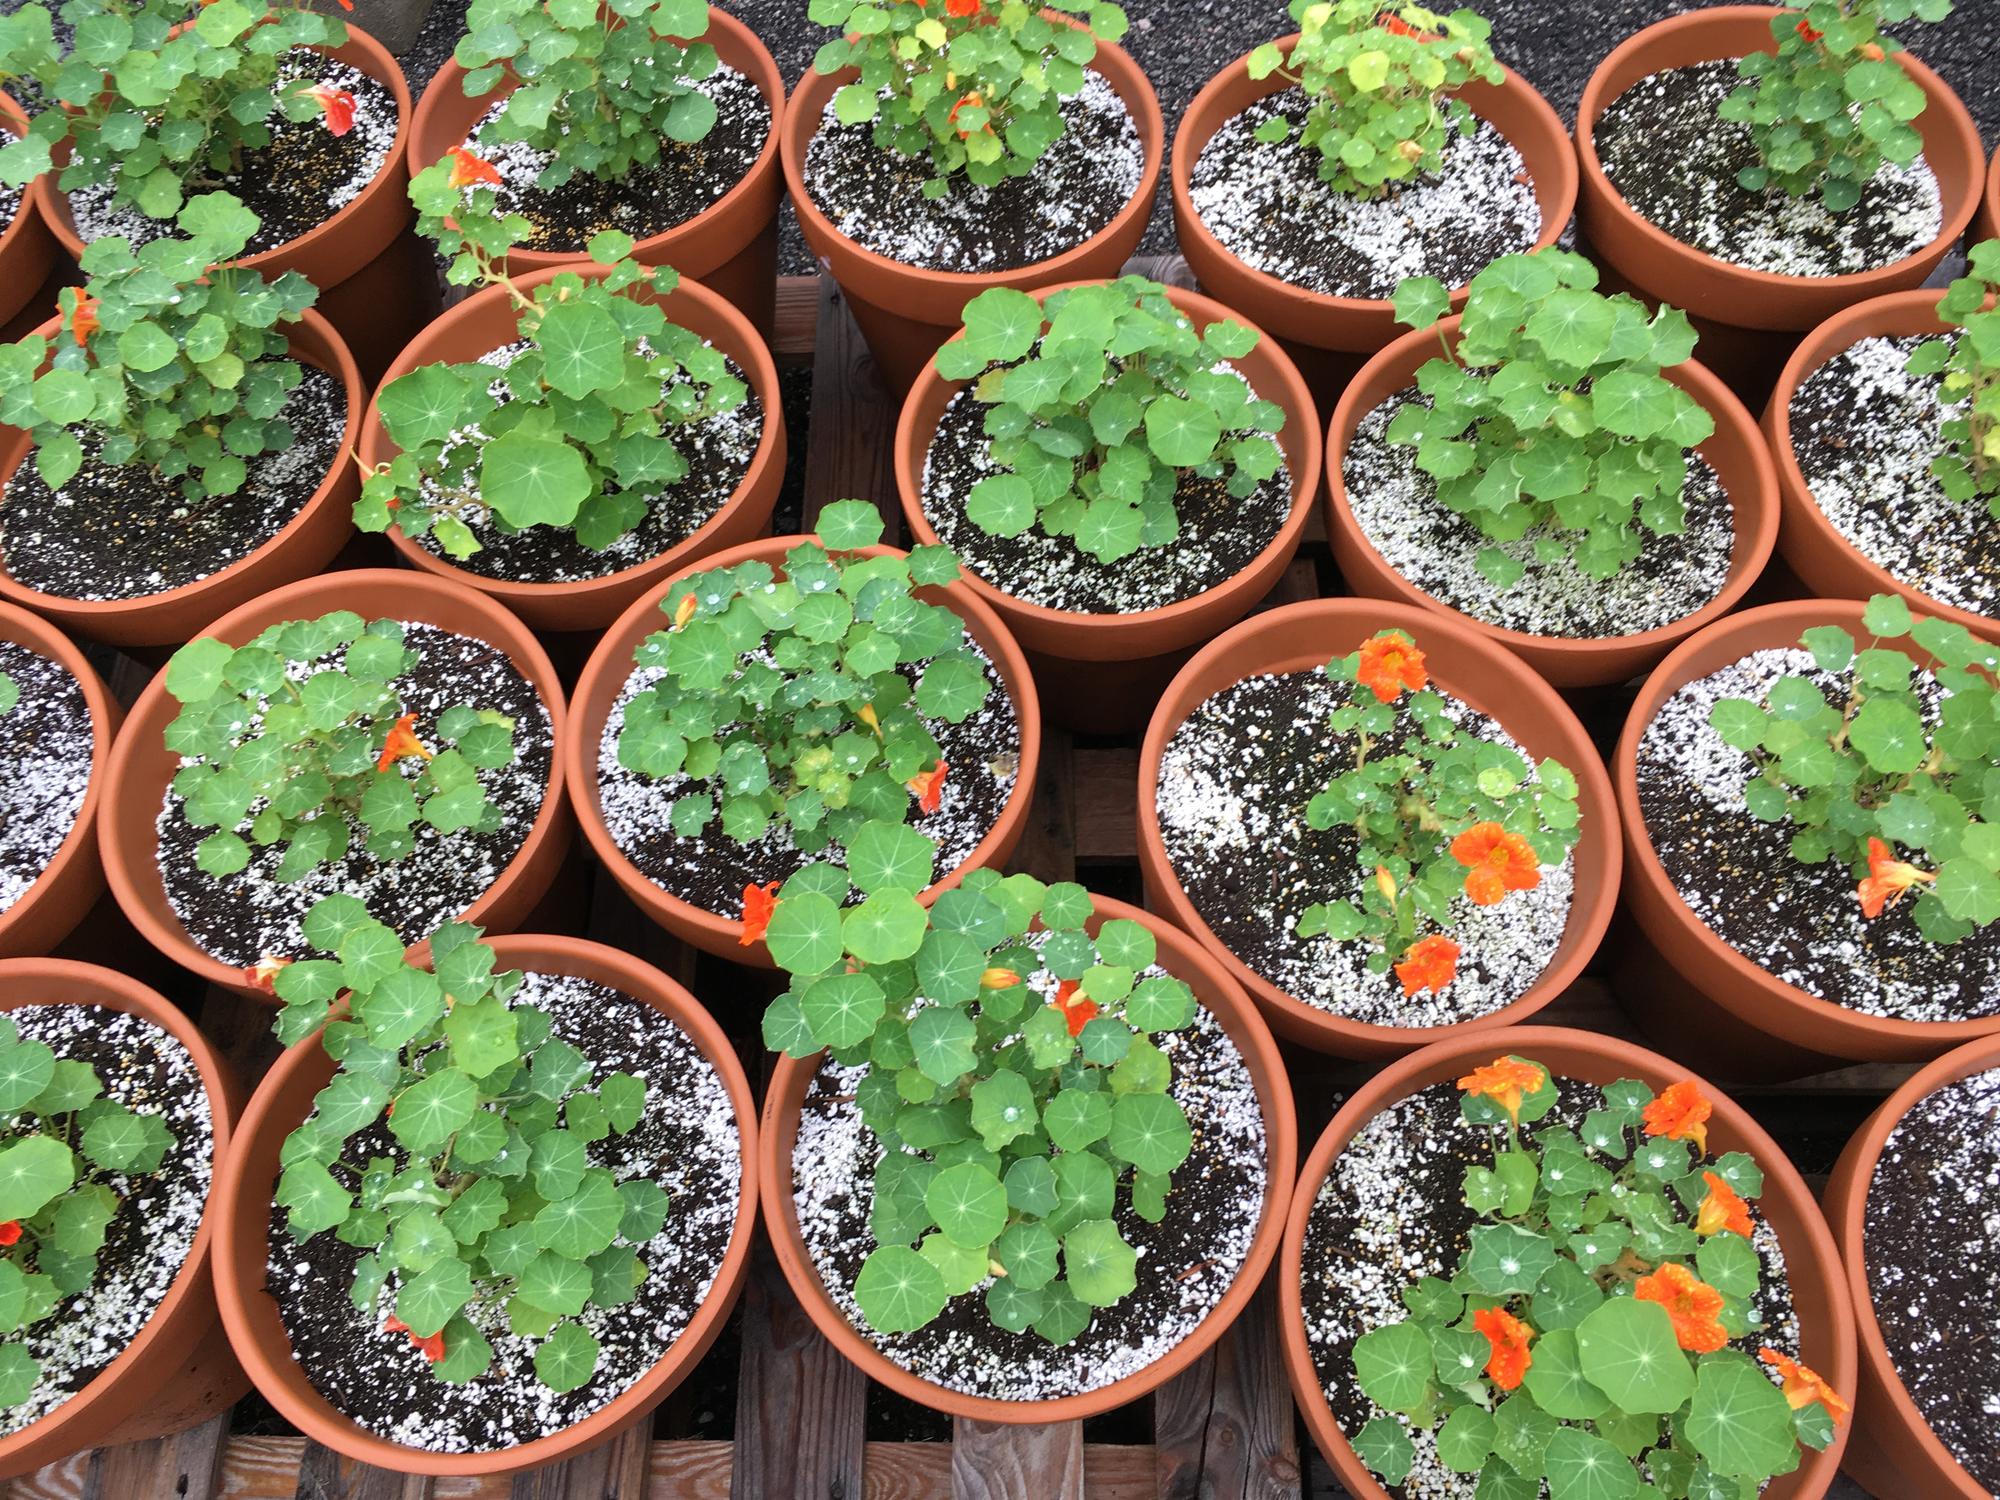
27,249
178,1371
1704,998
1185,959
730,247
367,281
905,312
300,549
396,24
1679,274
142,766
487,321
1893,1450
1813,1270
285,1097
1103,672
1735,449
1831,566
610,665
1303,637
46,912
1987,225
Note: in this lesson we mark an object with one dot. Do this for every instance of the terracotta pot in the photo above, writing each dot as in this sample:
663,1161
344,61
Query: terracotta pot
1351,323
1303,637
1736,450
604,677
730,246
487,321
57,901
1893,1450
1818,1289
1186,960
1083,642
1686,277
244,1213
178,1371
302,547
1706,999
27,249
905,312
1987,225
142,766
1831,566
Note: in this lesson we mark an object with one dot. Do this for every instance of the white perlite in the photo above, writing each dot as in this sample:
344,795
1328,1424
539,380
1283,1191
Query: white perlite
46,773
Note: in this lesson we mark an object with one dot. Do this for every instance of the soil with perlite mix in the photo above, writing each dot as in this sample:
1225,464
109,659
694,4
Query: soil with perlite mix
45,764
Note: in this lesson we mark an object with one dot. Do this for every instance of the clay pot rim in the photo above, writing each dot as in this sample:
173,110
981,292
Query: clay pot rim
139,740
26,628
1987,221
13,120
1292,626
1190,225
610,665
801,123
1847,1216
323,1422
762,70
1642,862
371,58
1619,1059
1850,287
1288,390
1253,1040
96,985
338,361
750,352
1754,511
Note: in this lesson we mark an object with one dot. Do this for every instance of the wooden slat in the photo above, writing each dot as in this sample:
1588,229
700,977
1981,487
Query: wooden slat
617,1470
853,420
184,1464
800,1406
1106,806
1223,1428
795,325
991,1461
325,1475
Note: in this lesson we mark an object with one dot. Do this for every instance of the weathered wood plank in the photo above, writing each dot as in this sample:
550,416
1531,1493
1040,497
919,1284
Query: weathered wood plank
617,1470
796,321
800,1406
848,454
1223,1428
1106,809
325,1475
183,1464
992,1461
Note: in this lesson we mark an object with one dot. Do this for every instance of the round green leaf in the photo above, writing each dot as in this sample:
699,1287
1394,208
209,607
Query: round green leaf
898,1289
1627,1349
968,1203
1393,1364
1101,1268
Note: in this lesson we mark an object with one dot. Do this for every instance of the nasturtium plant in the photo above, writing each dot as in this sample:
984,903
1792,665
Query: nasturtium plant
1437,815
1593,1337
1552,413
974,86
1892,754
68,1154
10,693
1830,105
453,1146
1092,422
808,700
1969,467
1014,1079
1380,82
156,97
301,738
167,357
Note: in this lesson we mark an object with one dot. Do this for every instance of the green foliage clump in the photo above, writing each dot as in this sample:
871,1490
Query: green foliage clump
1898,755
1010,1119
806,700
598,96
1553,414
69,1156
1092,421
10,693
974,86
1830,105
483,1194
167,357
300,738
1380,82
1969,469
157,98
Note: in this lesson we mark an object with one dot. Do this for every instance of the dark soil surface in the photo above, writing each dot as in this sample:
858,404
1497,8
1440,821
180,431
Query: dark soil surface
45,749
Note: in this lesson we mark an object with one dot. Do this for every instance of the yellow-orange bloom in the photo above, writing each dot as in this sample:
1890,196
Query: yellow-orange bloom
1429,964
1391,662
929,786
1507,1338
468,169
1803,1386
1722,1209
684,611
1506,1081
1496,862
759,901
1888,878
402,741
998,979
1691,1304
1680,1114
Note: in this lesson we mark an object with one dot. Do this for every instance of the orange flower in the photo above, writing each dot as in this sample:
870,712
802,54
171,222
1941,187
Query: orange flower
1506,1081
1722,1209
1508,1337
759,901
402,741
1807,31
1078,1013
1691,1304
1430,964
961,8
929,787
432,1348
82,321
1803,1386
263,974
1496,862
1680,1114
1888,878
1389,663
967,101
468,169
998,979
10,1232
336,104
684,611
